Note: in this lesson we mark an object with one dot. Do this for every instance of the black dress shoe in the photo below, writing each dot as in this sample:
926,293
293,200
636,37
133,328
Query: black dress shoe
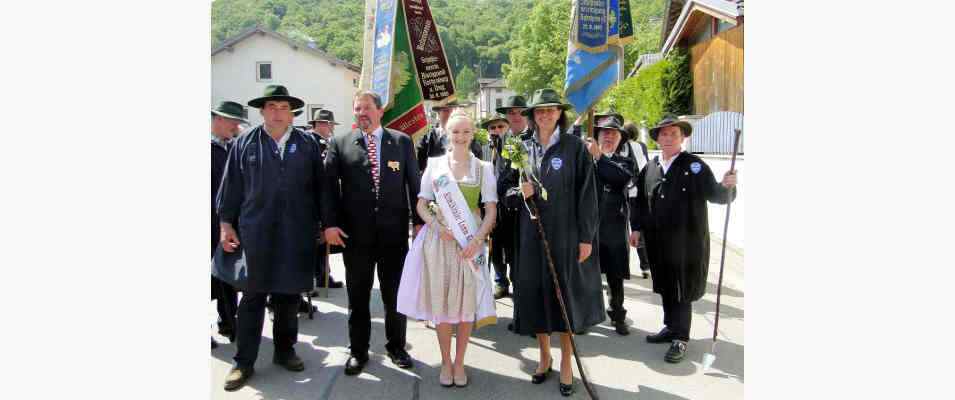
214,345
355,364
677,352
540,377
401,358
565,389
621,328
500,293
237,378
332,283
665,336
305,307
646,274
292,362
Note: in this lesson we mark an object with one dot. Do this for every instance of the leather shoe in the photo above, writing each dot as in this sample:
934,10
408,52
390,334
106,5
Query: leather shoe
677,352
401,358
355,364
237,378
540,377
665,335
566,390
621,328
646,274
292,362
332,283
214,345
500,292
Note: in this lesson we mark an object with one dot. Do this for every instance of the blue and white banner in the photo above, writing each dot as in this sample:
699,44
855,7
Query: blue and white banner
590,73
384,47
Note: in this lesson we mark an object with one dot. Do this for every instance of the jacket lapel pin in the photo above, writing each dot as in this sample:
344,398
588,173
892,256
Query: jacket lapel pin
394,165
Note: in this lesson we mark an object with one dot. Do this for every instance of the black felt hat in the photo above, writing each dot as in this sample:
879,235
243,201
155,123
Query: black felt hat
512,102
545,98
324,116
230,110
276,93
669,120
493,117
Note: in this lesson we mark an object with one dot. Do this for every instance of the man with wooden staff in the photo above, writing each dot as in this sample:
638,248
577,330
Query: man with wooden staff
670,211
504,237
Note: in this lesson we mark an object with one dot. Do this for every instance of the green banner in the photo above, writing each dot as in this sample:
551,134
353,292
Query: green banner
406,110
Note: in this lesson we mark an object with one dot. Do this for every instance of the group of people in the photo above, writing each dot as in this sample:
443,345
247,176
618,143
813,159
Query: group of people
283,197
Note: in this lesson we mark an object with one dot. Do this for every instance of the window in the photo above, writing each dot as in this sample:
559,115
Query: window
263,71
497,103
245,113
354,82
498,90
723,25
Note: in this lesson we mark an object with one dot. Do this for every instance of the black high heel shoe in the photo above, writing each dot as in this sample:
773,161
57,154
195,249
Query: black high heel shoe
565,389
539,378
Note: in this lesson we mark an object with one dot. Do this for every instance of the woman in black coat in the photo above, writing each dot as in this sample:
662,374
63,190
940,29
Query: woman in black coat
615,170
569,216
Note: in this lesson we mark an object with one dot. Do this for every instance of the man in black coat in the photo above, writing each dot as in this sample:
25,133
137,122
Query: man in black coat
504,237
271,192
670,211
226,119
435,142
378,175
615,170
640,158
323,127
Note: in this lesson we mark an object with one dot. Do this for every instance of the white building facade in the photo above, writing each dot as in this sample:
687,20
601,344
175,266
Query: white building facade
244,65
492,93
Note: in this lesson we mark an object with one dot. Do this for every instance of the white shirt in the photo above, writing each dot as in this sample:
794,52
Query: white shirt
666,164
488,186
282,140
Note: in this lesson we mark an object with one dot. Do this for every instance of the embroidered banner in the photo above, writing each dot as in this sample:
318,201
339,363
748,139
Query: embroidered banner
434,75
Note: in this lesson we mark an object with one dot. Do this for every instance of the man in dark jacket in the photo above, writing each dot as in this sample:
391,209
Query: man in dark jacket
323,127
271,193
376,170
615,171
435,142
226,119
670,211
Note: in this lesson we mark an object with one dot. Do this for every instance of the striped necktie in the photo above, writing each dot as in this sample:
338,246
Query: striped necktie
373,158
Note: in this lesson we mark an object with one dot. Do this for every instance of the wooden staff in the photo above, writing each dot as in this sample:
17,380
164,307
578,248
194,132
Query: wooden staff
560,299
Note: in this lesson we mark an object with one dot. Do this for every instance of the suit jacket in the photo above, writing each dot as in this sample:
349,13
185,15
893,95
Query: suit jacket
354,208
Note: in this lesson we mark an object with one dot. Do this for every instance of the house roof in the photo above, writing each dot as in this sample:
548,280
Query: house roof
645,60
491,82
229,43
678,12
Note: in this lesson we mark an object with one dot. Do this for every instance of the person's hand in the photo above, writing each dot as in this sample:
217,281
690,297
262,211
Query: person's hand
228,238
585,249
729,179
593,148
471,249
635,238
446,234
527,189
334,236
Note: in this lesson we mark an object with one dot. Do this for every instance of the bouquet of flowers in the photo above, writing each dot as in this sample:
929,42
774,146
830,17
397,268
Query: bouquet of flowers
481,137
515,152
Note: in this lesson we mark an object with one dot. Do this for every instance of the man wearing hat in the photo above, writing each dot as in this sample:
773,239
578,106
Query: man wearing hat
226,120
504,237
269,208
435,142
670,211
614,172
323,127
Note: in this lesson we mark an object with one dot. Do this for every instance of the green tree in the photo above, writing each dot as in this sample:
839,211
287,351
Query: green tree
465,82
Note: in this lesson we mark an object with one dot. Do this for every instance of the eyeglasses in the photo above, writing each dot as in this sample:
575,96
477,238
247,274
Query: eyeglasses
501,126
